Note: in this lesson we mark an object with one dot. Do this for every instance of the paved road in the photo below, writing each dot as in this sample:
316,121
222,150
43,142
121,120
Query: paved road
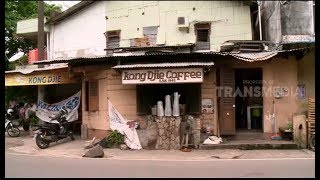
39,166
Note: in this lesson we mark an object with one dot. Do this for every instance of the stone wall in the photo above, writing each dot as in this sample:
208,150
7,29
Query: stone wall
148,134
168,132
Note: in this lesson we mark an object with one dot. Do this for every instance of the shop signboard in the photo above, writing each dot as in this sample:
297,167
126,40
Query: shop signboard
162,76
38,78
207,106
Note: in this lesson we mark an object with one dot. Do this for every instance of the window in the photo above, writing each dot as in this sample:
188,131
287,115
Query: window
113,39
148,95
92,95
202,31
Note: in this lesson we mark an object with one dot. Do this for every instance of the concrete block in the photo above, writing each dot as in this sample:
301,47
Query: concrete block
300,130
84,132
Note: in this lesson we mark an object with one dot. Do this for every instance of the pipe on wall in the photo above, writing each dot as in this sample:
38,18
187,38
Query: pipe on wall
259,15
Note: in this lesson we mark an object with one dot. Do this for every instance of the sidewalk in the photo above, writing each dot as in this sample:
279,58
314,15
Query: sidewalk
67,148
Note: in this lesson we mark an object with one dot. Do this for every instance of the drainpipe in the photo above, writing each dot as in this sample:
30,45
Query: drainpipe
259,15
48,46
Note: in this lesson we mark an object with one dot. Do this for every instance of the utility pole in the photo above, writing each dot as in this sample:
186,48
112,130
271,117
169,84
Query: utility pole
40,30
41,91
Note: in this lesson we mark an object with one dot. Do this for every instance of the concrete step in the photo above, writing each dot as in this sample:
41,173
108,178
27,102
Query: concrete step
249,146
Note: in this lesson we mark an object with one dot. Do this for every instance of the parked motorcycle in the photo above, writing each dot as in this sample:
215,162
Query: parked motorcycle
12,127
18,111
53,132
312,141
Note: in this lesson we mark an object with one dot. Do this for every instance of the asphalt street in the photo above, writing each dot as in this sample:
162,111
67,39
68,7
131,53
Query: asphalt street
17,165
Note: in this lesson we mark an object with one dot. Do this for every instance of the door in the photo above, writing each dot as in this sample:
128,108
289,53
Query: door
227,101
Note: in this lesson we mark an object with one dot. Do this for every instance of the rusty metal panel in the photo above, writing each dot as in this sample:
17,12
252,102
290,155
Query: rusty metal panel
147,40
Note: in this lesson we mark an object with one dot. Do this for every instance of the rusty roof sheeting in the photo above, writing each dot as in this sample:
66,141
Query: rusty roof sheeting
171,64
251,57
241,56
154,47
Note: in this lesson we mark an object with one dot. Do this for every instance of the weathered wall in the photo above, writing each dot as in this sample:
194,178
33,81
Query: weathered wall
280,72
123,97
306,76
280,22
208,90
230,20
80,34
297,18
270,21
274,75
96,119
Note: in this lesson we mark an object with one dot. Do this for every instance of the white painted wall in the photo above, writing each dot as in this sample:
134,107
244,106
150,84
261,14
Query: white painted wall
230,20
81,34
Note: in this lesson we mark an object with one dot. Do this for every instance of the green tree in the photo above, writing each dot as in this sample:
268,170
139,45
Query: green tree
14,12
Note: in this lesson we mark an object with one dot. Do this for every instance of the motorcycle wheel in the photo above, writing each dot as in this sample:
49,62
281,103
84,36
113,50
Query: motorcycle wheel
42,143
13,131
25,126
312,143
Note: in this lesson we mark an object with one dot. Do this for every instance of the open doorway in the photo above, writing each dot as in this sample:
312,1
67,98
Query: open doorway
248,99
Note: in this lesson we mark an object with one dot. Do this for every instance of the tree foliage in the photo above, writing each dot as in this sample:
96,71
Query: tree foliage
14,12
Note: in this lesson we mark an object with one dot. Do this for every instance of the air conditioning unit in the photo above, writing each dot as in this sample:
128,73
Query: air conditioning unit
183,22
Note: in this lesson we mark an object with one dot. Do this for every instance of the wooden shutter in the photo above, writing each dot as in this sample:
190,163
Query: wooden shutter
93,95
227,109
193,98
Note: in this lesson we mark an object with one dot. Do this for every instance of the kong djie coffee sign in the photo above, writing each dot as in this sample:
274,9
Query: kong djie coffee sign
162,76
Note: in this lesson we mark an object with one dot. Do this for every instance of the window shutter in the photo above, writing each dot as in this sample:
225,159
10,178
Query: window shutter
93,95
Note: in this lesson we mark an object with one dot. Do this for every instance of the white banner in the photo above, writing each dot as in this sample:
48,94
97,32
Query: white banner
45,110
162,76
117,122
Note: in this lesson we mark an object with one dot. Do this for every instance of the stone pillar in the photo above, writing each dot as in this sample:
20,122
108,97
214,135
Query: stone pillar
196,132
174,131
41,93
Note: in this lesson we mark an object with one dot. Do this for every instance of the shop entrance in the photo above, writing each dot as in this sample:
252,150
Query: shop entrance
248,99
59,92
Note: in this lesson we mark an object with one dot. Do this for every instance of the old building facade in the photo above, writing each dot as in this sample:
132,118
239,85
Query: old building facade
133,54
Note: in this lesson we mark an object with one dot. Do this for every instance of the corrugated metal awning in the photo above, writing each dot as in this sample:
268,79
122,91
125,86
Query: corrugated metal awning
251,57
174,64
28,71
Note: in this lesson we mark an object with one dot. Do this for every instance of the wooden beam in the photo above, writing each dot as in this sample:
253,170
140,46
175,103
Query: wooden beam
89,68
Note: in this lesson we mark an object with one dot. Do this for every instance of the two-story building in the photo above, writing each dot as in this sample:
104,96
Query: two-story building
204,50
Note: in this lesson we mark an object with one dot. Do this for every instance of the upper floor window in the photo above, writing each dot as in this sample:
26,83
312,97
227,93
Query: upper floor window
113,39
202,31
